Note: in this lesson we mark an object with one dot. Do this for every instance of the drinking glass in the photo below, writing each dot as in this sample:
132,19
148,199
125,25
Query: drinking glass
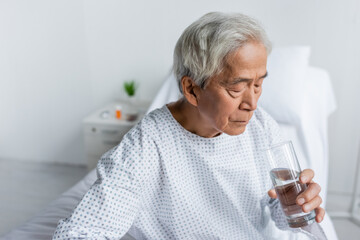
285,173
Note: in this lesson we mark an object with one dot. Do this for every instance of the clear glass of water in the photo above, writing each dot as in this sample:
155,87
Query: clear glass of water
285,173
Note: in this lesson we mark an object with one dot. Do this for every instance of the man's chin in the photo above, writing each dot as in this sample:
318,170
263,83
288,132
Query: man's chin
236,131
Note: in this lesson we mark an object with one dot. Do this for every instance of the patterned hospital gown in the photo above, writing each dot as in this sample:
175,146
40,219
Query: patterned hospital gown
164,182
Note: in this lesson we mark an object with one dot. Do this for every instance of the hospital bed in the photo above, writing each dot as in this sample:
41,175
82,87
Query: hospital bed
297,95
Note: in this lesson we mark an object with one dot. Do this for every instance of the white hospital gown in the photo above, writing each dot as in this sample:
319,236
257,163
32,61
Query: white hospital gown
163,182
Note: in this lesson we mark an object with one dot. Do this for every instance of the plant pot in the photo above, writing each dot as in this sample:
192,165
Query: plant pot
131,112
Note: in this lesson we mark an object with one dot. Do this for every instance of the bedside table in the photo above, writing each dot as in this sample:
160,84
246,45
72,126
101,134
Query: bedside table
102,131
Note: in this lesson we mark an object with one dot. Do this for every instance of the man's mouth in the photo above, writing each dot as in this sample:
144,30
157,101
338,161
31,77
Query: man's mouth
241,122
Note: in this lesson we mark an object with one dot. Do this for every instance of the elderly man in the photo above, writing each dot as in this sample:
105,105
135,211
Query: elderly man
193,169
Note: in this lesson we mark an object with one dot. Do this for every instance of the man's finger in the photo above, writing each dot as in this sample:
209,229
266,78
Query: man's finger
311,192
272,193
306,176
313,204
320,213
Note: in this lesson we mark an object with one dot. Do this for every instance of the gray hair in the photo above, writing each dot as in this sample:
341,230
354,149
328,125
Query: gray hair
202,48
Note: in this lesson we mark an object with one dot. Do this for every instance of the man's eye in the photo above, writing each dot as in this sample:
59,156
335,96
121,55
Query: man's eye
259,83
237,90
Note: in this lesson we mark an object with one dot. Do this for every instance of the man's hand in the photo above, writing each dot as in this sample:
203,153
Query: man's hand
309,199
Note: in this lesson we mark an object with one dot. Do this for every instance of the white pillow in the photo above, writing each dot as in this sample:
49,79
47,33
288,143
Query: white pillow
169,92
283,89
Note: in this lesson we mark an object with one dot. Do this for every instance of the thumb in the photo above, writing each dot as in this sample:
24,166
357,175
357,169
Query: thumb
272,193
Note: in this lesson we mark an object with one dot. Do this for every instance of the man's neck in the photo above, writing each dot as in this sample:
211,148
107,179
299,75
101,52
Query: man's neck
190,118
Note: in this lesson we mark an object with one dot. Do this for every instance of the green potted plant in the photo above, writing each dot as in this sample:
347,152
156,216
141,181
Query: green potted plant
130,88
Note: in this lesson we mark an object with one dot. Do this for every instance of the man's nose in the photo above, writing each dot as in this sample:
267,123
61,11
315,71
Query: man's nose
250,99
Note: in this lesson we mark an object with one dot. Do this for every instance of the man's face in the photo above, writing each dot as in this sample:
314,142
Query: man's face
230,98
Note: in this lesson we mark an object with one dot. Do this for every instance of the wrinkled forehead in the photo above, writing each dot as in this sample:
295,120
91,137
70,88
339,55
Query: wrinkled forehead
251,57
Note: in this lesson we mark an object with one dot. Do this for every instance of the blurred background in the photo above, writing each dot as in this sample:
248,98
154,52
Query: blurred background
62,60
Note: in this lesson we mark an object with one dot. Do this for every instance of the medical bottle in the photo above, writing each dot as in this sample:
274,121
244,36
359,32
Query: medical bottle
118,111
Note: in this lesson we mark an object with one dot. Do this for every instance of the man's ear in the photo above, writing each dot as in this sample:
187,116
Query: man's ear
190,90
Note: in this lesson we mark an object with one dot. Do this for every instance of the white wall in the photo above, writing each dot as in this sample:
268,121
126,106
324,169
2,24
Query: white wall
44,87
61,59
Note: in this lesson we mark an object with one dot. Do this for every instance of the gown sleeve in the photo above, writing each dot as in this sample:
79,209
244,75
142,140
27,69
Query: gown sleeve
110,207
